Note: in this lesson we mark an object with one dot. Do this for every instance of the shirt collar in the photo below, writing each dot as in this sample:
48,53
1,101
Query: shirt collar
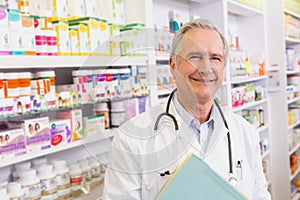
187,117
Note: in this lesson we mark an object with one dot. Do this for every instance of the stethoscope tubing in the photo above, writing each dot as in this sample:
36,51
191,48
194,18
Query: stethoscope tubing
166,113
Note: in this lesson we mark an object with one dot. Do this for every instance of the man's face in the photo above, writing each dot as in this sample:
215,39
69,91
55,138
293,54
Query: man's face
198,69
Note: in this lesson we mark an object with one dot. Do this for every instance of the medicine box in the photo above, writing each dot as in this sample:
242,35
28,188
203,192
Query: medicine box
74,41
76,8
37,133
60,131
29,35
74,94
23,105
293,5
75,117
94,34
5,47
16,32
83,36
61,27
12,143
59,8
104,35
93,124
90,8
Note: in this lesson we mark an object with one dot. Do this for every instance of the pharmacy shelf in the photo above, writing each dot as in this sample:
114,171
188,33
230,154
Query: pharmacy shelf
295,71
292,13
19,62
294,174
90,139
291,41
296,197
293,150
242,9
96,194
293,100
247,80
249,105
293,125
162,58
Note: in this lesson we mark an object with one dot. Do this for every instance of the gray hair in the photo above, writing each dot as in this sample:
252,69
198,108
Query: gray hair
196,23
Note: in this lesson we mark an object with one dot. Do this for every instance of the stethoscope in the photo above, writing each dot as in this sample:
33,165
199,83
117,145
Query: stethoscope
232,179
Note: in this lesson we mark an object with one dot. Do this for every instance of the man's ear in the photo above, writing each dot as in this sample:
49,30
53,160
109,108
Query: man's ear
172,65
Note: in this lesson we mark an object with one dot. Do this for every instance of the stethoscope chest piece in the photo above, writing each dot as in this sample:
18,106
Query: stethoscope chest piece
233,180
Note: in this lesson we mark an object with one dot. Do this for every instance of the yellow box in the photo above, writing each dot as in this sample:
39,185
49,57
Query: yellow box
293,5
253,3
94,33
83,37
61,28
59,7
114,41
74,41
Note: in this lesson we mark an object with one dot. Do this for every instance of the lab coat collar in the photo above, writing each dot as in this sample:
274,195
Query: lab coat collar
219,131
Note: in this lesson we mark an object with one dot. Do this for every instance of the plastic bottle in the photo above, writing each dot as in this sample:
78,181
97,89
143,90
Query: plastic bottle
87,174
101,108
20,167
102,158
38,161
31,184
48,182
15,191
76,177
96,171
117,113
62,178
261,117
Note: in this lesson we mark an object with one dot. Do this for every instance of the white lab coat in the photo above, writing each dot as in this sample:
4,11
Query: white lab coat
139,155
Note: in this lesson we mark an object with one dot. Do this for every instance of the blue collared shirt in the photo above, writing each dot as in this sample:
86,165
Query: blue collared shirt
202,131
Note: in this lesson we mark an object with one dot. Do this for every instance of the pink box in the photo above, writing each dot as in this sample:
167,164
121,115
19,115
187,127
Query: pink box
12,143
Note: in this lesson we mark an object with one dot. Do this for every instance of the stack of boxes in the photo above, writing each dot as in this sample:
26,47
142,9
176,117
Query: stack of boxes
67,27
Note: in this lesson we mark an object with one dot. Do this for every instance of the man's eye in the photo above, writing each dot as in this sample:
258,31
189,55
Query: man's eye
216,58
191,58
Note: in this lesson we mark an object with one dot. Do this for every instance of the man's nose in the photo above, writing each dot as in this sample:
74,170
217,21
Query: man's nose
205,66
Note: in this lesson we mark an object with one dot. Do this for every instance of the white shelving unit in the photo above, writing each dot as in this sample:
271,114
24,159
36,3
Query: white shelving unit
91,139
280,157
261,33
240,20
91,145
68,61
294,44
250,105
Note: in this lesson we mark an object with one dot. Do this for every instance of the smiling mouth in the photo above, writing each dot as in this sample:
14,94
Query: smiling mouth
203,80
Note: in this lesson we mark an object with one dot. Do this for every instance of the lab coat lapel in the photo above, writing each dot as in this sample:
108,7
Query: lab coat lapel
219,132
185,134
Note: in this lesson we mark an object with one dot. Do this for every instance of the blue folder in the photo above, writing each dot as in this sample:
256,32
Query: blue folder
194,179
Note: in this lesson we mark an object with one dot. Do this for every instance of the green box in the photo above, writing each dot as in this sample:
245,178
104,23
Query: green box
293,5
253,3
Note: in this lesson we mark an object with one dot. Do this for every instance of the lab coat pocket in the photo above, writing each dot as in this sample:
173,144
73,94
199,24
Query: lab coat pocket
155,181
